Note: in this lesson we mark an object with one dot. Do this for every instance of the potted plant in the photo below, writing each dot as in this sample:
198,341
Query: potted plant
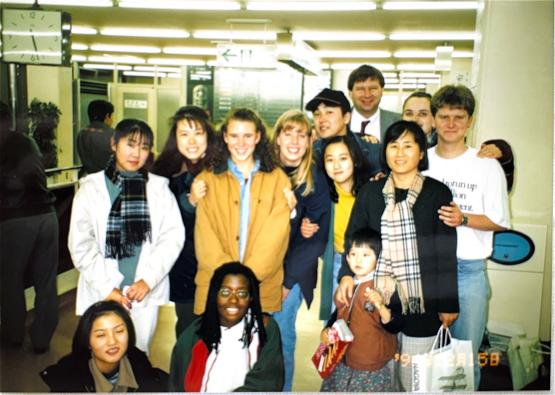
43,121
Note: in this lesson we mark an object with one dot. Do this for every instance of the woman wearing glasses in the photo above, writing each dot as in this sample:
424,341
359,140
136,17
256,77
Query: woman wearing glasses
232,346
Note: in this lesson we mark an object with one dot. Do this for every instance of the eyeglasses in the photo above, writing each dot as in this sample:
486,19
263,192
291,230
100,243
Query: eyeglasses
239,294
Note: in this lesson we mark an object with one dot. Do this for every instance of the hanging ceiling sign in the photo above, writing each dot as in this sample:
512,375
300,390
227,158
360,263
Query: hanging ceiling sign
256,56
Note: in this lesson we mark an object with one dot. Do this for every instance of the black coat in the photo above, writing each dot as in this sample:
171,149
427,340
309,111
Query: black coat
71,374
183,272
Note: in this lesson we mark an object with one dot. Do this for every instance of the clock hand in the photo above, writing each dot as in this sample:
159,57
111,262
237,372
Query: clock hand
34,42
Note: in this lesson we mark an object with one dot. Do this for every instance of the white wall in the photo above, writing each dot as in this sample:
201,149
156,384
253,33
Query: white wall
513,78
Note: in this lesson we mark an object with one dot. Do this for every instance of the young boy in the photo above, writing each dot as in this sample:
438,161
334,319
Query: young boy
126,232
364,367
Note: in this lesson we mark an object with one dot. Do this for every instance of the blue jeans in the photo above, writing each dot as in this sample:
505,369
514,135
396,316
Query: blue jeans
286,319
474,293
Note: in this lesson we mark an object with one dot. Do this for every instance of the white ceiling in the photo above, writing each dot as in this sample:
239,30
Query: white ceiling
381,21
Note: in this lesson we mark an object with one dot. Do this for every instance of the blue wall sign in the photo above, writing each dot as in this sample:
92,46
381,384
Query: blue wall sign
511,247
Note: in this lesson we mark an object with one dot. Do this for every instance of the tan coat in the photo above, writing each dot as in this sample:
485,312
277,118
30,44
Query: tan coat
217,232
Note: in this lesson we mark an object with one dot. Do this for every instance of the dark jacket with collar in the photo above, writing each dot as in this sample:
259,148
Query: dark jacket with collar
370,153
301,260
72,374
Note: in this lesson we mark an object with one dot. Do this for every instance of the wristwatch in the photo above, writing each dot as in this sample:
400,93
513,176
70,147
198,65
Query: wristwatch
464,220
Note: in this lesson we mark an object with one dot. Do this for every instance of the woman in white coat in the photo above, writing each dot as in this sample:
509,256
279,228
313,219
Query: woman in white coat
126,232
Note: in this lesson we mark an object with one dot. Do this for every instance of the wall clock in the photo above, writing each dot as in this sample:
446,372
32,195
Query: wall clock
34,36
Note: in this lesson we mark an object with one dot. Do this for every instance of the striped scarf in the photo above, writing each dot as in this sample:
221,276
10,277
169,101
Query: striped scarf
398,266
129,220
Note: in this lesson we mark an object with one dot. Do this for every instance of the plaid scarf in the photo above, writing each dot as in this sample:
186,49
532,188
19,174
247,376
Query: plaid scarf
398,265
129,220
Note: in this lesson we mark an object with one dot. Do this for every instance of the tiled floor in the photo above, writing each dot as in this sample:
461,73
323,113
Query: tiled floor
19,368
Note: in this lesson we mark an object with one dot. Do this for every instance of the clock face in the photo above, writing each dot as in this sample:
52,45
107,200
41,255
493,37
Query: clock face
32,36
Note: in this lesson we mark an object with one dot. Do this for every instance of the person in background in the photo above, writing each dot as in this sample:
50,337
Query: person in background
368,120
417,268
189,148
94,141
245,215
479,207
233,346
367,364
103,357
28,240
418,108
292,143
332,114
345,175
126,232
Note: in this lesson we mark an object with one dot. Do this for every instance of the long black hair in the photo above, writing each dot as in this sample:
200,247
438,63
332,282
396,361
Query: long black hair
263,151
170,160
360,172
209,330
80,347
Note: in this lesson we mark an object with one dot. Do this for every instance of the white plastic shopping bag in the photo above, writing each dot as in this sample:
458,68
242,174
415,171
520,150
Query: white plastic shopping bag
449,366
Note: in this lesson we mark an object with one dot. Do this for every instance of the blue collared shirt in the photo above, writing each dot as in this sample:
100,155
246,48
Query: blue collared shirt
245,197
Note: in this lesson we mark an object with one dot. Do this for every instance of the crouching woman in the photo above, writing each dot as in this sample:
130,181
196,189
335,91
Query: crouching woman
232,346
103,356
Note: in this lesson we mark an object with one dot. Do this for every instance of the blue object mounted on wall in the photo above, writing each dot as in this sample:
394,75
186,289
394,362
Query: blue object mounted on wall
511,247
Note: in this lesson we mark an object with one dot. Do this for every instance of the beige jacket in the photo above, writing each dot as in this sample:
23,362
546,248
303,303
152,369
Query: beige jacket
217,232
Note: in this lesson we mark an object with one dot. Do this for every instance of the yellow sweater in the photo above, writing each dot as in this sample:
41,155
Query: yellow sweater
342,213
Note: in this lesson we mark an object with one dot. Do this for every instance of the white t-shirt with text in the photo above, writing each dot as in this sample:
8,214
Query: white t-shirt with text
479,187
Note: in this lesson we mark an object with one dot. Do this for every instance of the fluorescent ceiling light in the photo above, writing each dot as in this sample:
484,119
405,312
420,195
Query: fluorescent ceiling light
176,62
463,54
79,47
391,80
78,58
389,75
142,32
190,51
105,66
419,75
85,30
353,54
235,35
117,59
430,5
182,4
124,48
416,67
433,36
338,36
76,3
173,70
144,74
414,54
405,86
432,81
312,6
352,66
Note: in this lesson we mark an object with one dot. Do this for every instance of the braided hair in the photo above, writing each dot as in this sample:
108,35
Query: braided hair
209,330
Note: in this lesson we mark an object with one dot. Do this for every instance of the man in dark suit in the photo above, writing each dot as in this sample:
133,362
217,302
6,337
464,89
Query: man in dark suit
365,86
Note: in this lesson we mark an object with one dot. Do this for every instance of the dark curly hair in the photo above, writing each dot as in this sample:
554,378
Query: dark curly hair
263,151
170,160
209,330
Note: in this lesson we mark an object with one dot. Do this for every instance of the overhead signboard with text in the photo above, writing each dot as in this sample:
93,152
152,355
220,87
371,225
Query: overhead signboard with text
254,56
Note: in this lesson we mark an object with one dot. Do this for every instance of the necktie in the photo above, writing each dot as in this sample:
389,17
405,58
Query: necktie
363,126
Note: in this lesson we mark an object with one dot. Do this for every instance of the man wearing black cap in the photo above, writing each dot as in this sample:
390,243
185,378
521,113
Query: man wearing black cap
332,114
